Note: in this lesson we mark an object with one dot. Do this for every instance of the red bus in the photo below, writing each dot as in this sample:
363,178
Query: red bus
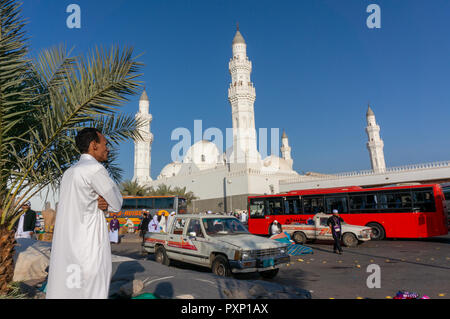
417,211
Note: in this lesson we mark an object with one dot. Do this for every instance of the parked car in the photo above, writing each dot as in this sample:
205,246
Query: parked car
317,228
219,242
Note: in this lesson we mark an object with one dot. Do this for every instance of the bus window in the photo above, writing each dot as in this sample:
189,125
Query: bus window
292,205
423,201
394,201
339,203
165,203
182,205
256,208
129,203
363,202
145,203
274,206
312,205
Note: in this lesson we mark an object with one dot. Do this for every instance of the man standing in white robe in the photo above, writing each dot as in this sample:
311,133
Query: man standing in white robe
80,261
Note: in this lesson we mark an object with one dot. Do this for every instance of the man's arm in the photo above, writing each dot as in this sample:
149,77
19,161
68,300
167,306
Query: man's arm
105,187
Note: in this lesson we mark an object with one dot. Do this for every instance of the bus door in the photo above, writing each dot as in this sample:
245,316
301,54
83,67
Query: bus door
257,223
273,211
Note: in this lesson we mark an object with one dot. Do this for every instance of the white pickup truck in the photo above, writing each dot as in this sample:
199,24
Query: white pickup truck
219,242
318,229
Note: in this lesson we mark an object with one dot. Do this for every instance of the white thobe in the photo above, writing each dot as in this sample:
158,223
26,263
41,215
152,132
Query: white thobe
20,233
80,261
114,236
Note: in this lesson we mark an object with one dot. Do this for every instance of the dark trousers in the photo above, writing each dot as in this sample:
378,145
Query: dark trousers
337,242
143,232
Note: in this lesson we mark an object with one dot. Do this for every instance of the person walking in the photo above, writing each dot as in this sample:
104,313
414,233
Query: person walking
114,227
80,261
336,229
143,227
26,223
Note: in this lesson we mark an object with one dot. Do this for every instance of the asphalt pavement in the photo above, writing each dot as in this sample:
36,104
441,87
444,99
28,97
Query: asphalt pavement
373,270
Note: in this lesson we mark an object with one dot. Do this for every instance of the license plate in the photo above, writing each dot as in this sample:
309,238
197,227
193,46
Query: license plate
268,262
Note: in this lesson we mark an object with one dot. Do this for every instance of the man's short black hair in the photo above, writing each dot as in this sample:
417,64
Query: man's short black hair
85,137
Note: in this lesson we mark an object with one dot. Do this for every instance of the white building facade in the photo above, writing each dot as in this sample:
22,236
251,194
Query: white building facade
222,180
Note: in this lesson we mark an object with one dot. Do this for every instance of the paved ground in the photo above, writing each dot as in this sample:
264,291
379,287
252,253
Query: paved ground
421,266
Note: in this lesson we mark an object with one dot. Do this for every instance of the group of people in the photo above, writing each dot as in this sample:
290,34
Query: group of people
80,261
157,224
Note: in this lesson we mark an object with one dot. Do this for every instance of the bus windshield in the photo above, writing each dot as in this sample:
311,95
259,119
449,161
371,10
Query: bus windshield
223,226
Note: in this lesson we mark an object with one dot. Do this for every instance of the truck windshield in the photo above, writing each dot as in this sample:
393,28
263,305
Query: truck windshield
223,226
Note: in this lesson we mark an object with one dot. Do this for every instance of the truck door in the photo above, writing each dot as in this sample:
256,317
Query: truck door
175,239
323,231
194,243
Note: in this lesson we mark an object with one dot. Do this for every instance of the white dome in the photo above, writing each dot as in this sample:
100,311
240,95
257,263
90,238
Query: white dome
274,163
170,170
204,154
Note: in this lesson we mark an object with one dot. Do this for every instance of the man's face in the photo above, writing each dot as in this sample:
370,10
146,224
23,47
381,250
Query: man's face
25,207
100,150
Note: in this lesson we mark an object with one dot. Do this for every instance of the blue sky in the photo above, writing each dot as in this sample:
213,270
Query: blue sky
316,65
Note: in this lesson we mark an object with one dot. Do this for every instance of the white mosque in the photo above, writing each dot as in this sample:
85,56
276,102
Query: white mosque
222,181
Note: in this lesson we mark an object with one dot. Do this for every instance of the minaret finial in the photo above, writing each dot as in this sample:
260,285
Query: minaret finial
237,26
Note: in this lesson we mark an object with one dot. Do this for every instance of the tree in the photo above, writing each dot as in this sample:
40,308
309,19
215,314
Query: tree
44,102
132,188
164,190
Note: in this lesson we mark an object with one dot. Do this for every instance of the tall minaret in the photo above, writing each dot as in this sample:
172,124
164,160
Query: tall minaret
375,143
286,149
142,149
241,95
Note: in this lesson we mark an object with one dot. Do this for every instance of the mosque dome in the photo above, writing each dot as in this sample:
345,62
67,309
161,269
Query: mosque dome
204,154
170,170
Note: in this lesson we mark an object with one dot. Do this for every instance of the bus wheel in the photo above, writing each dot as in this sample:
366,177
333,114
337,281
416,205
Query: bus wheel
378,232
350,240
299,238
161,256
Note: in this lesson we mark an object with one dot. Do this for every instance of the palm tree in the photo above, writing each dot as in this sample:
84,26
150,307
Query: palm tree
164,190
44,102
132,188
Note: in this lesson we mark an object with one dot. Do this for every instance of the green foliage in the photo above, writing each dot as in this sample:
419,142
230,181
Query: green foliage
132,188
45,101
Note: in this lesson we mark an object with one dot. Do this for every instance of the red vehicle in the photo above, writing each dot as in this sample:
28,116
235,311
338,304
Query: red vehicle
417,211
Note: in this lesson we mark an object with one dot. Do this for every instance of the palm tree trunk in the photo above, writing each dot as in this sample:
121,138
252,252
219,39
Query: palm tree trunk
7,243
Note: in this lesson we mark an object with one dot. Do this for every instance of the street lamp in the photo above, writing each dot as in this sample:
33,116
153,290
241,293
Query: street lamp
231,197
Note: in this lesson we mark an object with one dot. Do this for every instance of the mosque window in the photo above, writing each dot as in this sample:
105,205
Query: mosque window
203,158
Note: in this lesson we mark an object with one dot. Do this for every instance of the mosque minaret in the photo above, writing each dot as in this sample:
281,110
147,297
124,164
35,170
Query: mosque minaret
375,144
142,148
241,95
286,150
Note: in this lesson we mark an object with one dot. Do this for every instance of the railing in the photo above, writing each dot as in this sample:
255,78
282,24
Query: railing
390,170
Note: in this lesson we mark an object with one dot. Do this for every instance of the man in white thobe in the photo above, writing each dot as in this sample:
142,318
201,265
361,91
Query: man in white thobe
80,261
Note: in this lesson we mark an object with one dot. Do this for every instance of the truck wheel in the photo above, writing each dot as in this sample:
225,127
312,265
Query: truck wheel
378,232
299,238
161,256
350,240
269,274
220,266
